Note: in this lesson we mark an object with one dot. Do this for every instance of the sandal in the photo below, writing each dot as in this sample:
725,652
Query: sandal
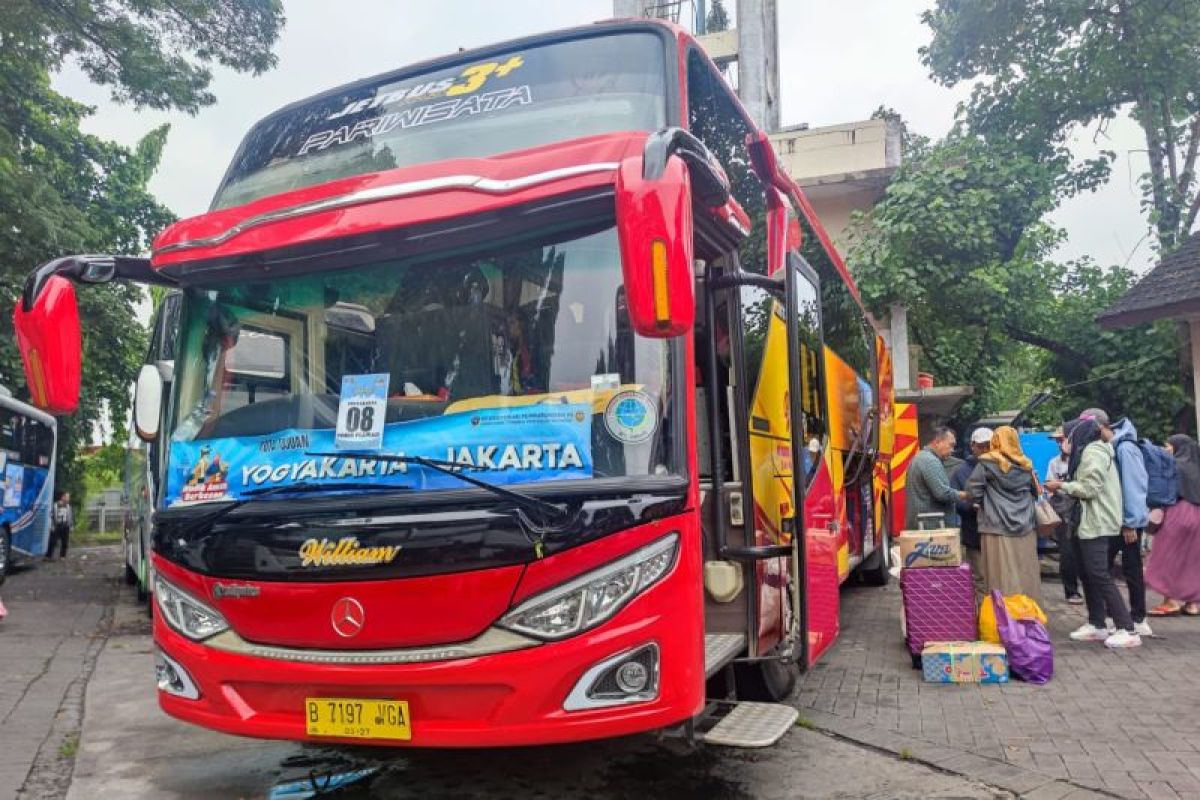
1168,610
1191,610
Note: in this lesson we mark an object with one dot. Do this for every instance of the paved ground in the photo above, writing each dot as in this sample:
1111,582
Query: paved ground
59,616
71,622
1125,723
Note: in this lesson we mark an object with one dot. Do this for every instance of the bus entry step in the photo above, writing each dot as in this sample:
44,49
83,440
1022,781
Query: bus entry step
752,725
720,649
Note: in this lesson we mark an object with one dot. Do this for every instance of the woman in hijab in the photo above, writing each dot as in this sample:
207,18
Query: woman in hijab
1174,568
1004,488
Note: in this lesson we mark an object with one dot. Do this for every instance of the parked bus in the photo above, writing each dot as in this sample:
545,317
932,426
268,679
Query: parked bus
27,439
478,418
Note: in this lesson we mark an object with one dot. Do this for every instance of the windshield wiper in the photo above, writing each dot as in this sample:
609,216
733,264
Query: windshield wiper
304,487
553,516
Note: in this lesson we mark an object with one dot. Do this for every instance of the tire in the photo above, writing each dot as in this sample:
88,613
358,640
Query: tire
768,681
874,571
5,553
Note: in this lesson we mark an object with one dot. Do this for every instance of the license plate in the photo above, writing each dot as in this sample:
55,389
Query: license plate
355,718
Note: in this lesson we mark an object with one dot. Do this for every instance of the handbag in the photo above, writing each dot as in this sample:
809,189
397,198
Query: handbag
1030,651
1046,517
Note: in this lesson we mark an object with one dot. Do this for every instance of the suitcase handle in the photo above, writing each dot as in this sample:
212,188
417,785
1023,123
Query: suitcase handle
940,516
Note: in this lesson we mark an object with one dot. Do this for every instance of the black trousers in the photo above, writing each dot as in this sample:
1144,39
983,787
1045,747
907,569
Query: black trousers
58,536
1068,560
1131,567
1099,591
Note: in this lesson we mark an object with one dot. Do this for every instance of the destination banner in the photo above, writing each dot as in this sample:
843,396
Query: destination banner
522,444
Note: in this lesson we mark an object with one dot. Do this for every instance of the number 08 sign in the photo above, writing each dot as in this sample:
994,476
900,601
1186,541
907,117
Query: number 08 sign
361,412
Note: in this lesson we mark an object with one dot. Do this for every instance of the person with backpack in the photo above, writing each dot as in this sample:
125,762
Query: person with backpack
62,519
1092,479
1135,512
1174,568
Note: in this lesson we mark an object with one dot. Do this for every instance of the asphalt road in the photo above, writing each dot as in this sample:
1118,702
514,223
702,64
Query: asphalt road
79,712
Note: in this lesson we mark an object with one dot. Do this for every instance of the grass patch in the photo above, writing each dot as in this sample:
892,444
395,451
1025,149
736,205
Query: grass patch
91,538
69,746
905,754
806,723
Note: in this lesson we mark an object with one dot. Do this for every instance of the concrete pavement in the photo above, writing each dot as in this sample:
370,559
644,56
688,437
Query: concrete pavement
59,615
1121,723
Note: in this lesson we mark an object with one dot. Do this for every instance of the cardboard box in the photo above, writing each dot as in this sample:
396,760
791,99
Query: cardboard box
964,662
932,548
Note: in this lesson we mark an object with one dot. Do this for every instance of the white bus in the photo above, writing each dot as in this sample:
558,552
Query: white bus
27,449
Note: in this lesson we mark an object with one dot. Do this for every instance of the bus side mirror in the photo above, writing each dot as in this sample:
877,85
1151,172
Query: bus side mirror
47,328
147,403
654,225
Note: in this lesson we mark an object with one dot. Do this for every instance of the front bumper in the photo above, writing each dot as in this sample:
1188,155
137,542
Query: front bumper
506,698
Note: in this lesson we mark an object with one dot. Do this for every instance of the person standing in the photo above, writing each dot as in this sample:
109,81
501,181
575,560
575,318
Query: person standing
927,486
1174,568
1092,479
1004,489
62,520
1056,470
1135,514
981,440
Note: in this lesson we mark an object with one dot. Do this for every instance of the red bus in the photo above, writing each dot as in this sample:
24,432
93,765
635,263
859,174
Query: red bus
475,405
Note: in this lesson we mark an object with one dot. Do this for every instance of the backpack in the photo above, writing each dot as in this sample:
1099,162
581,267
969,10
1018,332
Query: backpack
1162,478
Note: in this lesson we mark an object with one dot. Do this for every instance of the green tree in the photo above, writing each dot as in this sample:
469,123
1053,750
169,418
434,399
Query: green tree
1045,68
959,238
718,18
64,191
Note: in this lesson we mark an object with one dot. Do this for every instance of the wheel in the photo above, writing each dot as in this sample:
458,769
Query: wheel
130,573
5,552
874,571
142,592
769,681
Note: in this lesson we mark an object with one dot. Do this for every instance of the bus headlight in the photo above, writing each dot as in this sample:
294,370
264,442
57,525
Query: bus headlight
593,597
185,613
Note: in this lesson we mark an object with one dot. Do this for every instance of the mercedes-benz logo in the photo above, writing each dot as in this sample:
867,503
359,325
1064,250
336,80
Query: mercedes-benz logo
347,617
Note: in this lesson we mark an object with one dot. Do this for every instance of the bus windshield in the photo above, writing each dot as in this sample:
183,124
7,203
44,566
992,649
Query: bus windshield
528,97
517,361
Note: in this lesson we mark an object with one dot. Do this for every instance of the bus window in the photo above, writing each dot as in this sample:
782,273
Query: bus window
37,444
256,368
10,434
715,119
812,419
845,327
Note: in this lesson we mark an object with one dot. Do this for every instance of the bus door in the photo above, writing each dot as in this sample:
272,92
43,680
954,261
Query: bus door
816,578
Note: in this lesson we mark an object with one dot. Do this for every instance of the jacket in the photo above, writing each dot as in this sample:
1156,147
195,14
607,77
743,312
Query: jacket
968,531
1099,490
1131,469
1005,499
928,490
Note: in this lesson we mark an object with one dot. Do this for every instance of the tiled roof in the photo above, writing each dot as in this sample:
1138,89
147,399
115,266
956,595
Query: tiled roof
1171,289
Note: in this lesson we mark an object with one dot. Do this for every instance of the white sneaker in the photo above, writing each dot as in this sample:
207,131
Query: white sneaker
1142,628
1123,639
1089,633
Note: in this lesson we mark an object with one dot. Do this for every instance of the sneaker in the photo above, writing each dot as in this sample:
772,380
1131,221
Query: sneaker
1089,633
1110,626
1075,599
1142,628
1123,639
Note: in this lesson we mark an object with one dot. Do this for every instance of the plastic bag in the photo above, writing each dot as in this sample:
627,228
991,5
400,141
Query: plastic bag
1019,606
1030,651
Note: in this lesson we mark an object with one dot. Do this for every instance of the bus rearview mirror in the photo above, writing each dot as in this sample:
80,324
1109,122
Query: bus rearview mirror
147,403
49,339
654,225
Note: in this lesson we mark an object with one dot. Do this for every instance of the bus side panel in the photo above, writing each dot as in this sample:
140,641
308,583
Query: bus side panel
882,483
30,521
845,425
905,448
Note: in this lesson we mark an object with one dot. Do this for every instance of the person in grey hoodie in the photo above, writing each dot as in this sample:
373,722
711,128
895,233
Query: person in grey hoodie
1004,488
1135,514
1092,479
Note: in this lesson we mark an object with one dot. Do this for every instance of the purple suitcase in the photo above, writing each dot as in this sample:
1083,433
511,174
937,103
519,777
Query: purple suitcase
939,606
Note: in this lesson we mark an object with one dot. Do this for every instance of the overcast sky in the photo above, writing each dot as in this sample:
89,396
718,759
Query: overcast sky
839,61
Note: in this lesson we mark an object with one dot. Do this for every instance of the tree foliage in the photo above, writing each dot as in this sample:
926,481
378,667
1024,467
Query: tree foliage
1044,68
959,238
65,191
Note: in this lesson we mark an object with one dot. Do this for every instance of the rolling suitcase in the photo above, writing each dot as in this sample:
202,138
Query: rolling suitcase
939,606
